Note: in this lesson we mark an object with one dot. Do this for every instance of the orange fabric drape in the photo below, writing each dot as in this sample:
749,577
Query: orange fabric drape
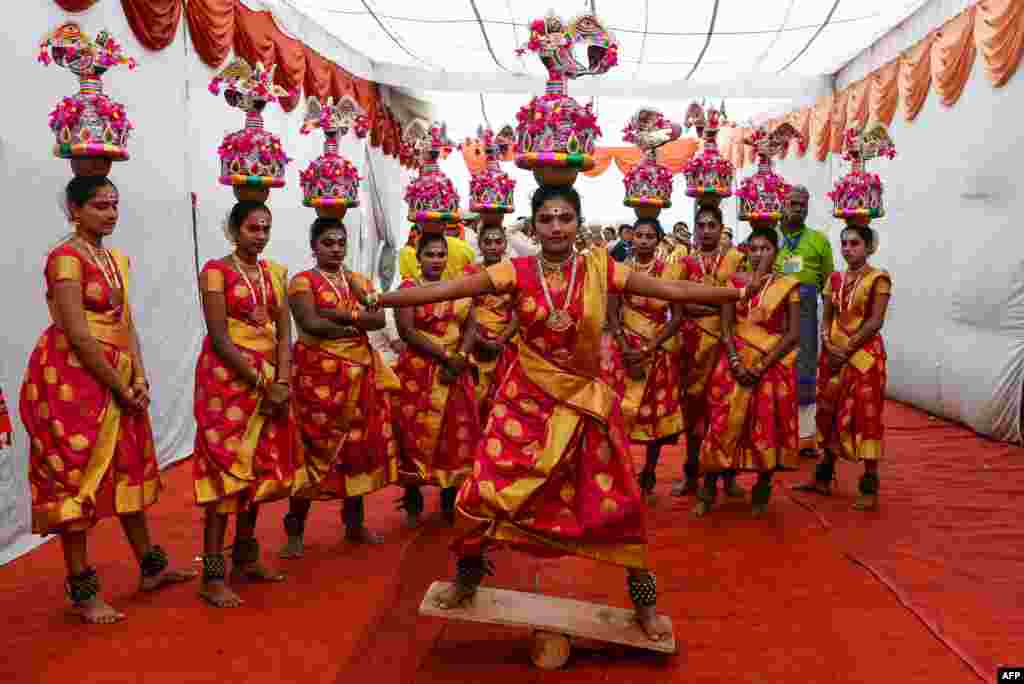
76,5
291,66
626,158
211,23
602,160
999,34
675,154
884,92
821,125
318,75
838,123
857,103
802,123
154,22
915,78
341,82
473,155
254,39
953,56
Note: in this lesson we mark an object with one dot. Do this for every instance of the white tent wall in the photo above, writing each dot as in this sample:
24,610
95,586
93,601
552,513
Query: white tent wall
179,125
955,329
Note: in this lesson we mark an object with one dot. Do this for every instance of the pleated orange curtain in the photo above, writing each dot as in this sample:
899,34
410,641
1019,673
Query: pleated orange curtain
154,22
838,122
857,103
76,5
211,24
884,92
318,75
999,34
602,160
675,154
821,127
953,56
916,77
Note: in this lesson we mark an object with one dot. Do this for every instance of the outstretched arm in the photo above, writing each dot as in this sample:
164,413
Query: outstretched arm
680,290
444,291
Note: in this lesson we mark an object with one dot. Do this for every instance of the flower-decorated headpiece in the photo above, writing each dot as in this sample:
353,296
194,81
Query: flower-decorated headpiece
330,183
432,199
555,135
491,191
252,159
763,194
88,125
648,183
858,194
708,174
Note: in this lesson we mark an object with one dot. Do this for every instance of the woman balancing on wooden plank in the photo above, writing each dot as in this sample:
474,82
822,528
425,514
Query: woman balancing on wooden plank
646,331
553,474
438,423
346,446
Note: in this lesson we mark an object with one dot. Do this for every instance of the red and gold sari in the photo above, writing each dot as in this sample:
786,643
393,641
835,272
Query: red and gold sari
553,474
494,314
701,336
6,430
241,457
651,406
755,428
439,423
850,401
88,459
340,398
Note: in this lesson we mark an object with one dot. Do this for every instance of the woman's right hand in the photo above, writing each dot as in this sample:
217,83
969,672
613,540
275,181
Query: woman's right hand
128,399
276,398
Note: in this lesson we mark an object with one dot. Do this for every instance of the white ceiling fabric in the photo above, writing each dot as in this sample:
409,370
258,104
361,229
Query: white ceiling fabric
719,47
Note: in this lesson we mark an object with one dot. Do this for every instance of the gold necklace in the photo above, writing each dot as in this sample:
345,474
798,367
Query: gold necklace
646,269
260,314
105,265
330,281
558,320
846,293
554,266
715,263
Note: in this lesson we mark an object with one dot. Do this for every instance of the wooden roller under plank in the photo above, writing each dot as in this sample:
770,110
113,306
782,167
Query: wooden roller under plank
553,620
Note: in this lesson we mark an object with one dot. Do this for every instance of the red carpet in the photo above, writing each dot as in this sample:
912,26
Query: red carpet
925,590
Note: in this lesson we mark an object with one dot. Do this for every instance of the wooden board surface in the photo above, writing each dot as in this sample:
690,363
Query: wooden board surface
550,613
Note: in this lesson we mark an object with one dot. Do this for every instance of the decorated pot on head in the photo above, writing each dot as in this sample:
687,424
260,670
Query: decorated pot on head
433,201
555,135
91,129
648,183
330,184
491,192
251,160
857,196
708,174
763,194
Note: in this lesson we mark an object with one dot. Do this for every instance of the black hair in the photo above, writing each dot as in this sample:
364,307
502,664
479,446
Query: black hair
550,192
769,234
658,230
716,211
81,189
428,239
865,233
684,224
483,229
241,211
321,225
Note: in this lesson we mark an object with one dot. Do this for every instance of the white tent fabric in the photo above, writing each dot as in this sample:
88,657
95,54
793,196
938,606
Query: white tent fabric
178,128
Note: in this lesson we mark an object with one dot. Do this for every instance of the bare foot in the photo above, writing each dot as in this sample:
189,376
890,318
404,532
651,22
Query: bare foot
362,535
293,548
167,577
684,488
255,572
219,595
758,510
96,611
455,596
866,502
655,626
701,509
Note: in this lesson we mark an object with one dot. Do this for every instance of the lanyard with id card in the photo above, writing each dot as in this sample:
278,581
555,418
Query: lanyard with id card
792,263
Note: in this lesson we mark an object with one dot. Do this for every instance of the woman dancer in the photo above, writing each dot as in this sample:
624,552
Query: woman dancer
439,425
243,449
552,474
852,369
495,322
646,332
341,392
710,264
752,400
84,403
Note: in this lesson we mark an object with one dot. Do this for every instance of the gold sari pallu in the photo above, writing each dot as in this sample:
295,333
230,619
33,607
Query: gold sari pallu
847,321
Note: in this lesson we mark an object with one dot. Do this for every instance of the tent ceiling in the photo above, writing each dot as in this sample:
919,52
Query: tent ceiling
761,47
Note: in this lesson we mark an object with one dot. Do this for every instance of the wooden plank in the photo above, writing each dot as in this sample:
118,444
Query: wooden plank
551,613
